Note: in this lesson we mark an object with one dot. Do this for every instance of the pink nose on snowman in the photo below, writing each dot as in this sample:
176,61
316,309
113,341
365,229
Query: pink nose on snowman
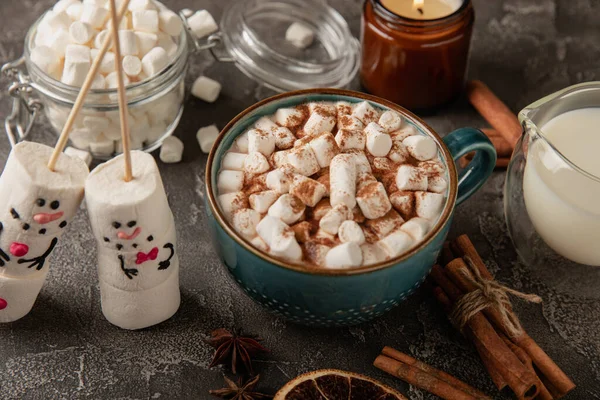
18,249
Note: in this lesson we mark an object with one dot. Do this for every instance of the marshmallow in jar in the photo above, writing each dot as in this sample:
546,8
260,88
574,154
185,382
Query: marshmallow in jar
138,267
62,46
333,185
36,206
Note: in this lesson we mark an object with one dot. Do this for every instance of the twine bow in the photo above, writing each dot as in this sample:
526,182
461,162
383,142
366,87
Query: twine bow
489,293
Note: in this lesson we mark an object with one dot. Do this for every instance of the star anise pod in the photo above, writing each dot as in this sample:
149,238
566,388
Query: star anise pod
240,390
234,349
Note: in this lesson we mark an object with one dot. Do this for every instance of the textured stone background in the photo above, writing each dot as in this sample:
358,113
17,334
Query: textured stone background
524,49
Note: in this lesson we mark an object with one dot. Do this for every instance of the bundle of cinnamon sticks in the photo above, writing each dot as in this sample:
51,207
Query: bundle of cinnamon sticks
506,129
511,357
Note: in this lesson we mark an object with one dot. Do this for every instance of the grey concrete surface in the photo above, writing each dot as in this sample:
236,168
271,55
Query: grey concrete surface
65,349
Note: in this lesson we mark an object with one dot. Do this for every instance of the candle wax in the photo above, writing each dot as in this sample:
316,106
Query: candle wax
564,204
430,9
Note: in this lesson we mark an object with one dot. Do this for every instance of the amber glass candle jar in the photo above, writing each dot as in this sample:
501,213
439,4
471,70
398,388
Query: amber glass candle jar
418,64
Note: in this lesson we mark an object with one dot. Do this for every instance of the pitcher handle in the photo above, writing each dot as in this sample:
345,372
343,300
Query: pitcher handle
463,141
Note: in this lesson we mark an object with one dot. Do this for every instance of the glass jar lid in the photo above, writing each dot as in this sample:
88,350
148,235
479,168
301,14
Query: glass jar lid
254,31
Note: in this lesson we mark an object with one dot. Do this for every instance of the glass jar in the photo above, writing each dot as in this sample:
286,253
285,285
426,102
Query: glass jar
251,35
155,105
418,64
551,204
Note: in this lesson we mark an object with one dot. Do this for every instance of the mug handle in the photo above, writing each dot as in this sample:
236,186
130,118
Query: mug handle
463,141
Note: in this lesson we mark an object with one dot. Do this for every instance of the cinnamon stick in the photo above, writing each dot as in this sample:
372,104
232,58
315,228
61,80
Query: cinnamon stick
543,362
519,379
488,363
494,111
449,379
503,148
420,379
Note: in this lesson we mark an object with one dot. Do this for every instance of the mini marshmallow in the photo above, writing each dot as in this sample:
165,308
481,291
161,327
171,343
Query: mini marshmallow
288,208
333,219
382,164
129,47
385,225
206,89
96,123
202,24
420,147
57,20
63,5
396,243
318,123
404,132
169,22
45,58
343,108
347,139
304,160
245,221
171,150
166,42
154,61
390,121
265,124
58,42
432,167
256,163
299,35
437,184
102,146
100,38
230,181
365,112
138,5
186,12
261,201
308,190
403,202
410,178
206,137
429,205
323,108
94,16
350,231
279,159
373,200
98,82
316,252
342,180
325,148
279,180
132,65
81,154
261,142
80,32
302,231
74,10
416,227
77,65
257,241
279,237
289,117
372,253
364,179
321,209
345,255
398,153
233,161
379,143
145,42
112,80
350,123
231,202
284,138
145,20
241,143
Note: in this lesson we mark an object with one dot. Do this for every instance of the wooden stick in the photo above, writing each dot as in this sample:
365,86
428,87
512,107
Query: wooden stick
543,362
521,381
85,88
449,379
420,379
494,111
121,90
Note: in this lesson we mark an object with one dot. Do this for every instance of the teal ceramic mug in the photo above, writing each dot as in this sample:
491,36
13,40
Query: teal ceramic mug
325,297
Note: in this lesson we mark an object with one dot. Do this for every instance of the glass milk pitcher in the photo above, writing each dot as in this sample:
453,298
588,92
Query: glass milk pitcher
552,190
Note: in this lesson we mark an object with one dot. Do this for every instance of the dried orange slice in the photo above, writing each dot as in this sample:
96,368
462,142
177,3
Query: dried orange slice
333,384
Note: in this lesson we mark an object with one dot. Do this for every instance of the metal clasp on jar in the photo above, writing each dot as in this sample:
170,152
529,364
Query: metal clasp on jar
25,108
211,43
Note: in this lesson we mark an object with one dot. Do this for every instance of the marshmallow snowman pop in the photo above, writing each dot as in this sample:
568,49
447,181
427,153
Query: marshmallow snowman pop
41,191
138,267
